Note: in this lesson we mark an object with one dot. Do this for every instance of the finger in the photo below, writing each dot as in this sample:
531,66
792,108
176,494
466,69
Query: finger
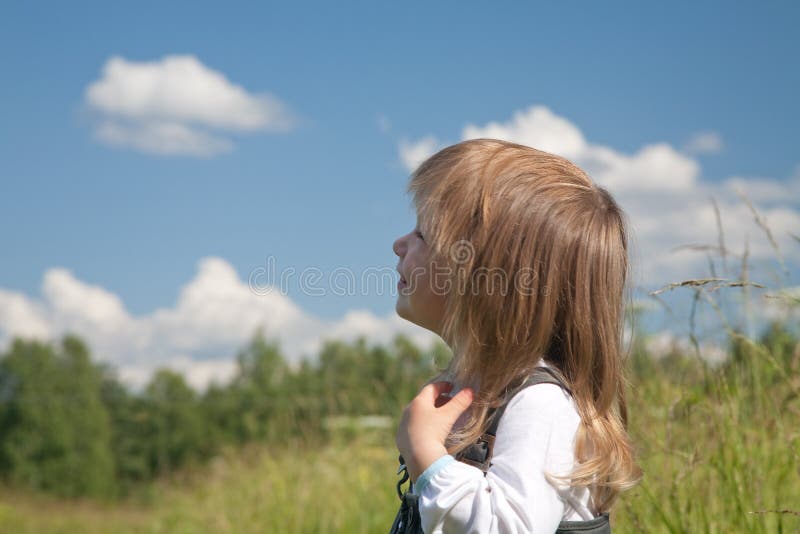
432,391
441,400
459,403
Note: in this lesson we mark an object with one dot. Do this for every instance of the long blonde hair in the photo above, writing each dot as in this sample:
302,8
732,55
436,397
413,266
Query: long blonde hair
537,262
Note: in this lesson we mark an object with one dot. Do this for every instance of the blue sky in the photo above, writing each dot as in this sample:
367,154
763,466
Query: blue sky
361,81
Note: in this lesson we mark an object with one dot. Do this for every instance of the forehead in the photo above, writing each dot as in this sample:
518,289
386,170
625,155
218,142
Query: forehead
422,216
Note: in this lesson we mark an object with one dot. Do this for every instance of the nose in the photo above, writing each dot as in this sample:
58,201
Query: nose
399,246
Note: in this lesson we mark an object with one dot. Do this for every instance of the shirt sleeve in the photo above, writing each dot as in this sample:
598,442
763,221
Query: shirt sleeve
535,435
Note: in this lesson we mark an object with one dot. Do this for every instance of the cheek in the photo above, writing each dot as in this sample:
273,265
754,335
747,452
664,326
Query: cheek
416,267
429,296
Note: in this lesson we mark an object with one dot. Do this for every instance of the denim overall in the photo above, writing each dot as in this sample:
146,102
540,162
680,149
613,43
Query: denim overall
479,454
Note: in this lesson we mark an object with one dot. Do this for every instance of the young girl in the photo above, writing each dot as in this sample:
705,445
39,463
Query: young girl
518,261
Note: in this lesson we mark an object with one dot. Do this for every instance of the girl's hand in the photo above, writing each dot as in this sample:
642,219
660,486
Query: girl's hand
426,423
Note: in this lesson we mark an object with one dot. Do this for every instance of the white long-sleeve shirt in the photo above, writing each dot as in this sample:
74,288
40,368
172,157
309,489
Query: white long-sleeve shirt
536,434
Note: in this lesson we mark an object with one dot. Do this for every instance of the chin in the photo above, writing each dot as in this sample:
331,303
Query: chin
401,311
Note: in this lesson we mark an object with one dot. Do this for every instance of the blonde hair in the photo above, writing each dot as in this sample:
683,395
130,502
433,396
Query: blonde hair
494,211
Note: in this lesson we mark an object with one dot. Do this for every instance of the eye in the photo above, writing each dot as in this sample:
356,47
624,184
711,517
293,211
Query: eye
419,234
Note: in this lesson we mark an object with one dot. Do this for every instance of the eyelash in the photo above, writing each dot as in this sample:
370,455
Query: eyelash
419,235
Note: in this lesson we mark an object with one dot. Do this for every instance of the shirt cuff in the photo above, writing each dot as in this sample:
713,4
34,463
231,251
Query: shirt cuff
431,471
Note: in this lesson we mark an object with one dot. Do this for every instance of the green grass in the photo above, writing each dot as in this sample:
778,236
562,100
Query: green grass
343,488
720,453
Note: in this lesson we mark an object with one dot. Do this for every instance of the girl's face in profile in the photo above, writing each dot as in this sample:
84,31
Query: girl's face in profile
419,300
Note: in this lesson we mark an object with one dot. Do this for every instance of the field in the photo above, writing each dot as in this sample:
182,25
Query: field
720,449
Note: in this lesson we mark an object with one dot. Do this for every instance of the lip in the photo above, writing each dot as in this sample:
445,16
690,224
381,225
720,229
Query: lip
402,282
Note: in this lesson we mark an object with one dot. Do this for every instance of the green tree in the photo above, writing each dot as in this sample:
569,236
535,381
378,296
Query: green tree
55,433
220,408
129,433
261,389
176,430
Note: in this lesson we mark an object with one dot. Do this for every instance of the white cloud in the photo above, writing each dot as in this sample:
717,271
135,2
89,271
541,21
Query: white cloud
216,313
199,374
764,190
655,167
414,153
379,329
664,342
177,106
783,305
704,143
79,305
22,316
662,191
164,138
537,127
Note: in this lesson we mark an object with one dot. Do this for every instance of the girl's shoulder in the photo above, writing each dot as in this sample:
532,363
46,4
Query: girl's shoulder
545,398
544,404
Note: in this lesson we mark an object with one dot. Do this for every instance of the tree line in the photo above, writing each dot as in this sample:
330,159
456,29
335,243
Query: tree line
69,426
